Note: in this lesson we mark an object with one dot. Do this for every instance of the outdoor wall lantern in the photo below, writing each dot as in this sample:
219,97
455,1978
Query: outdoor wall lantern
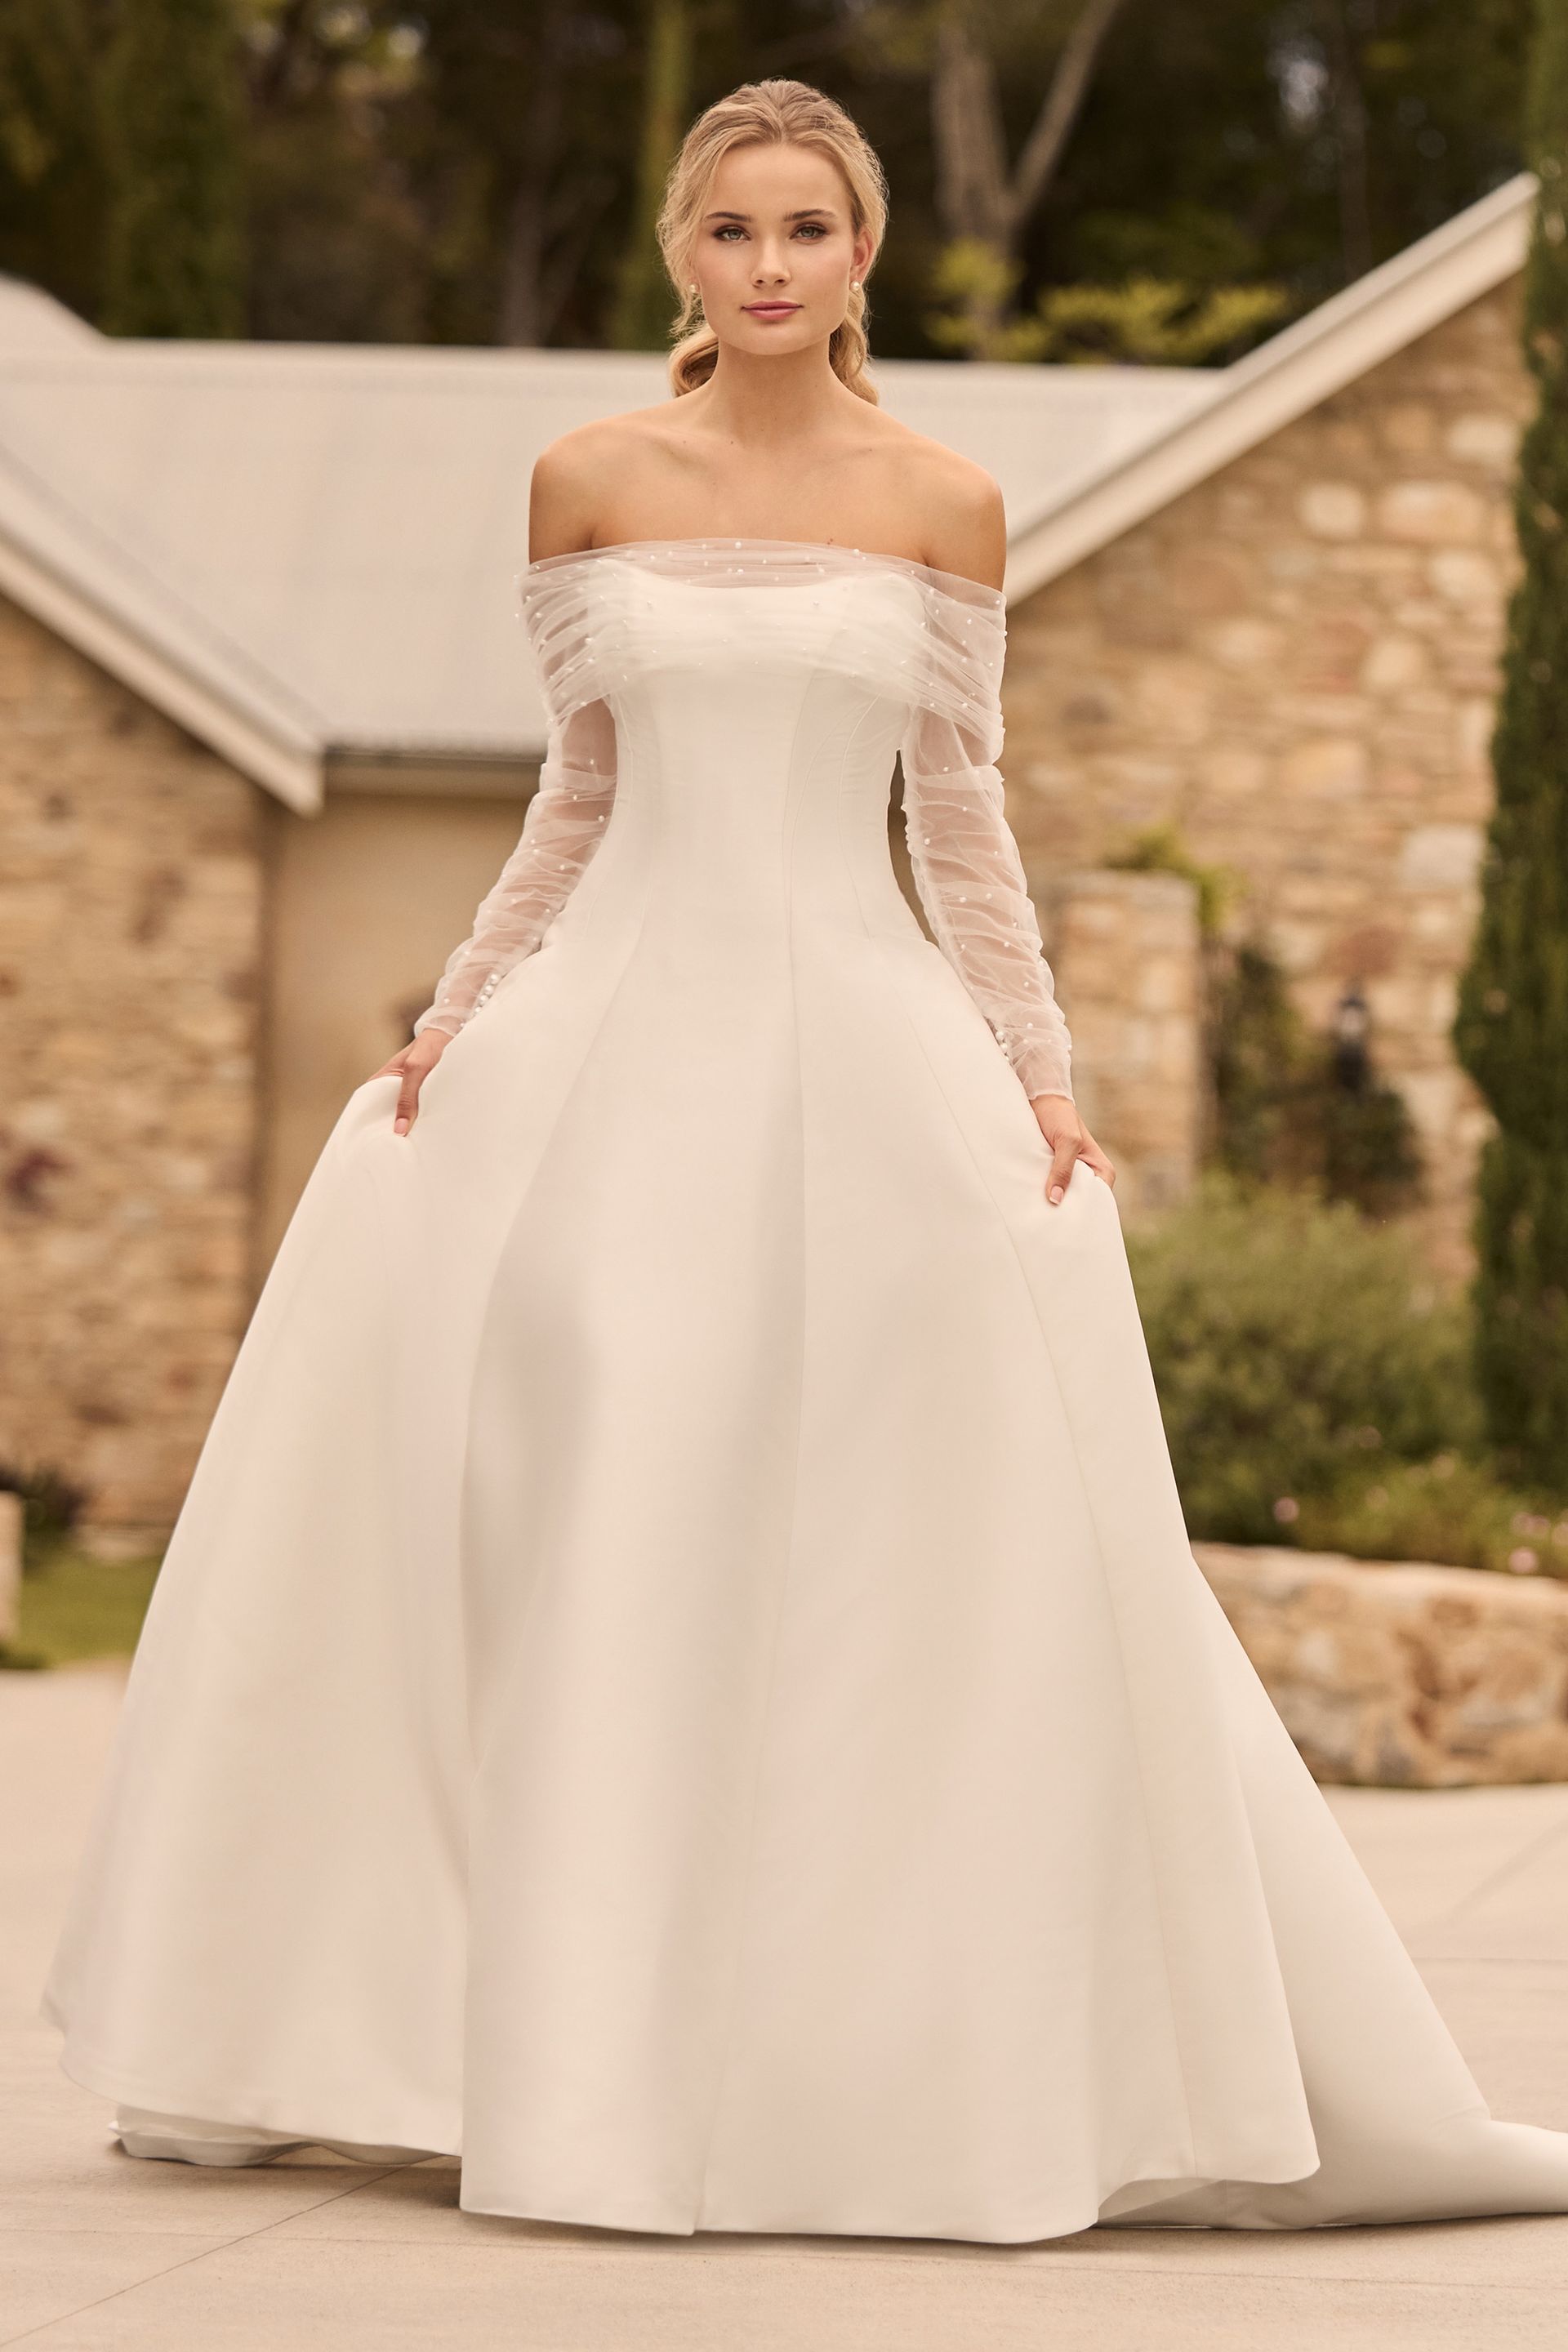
1353,1018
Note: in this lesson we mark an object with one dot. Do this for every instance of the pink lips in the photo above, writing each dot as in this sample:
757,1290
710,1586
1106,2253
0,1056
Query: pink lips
771,310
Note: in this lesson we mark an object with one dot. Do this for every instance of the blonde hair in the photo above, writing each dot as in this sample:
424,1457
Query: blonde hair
768,114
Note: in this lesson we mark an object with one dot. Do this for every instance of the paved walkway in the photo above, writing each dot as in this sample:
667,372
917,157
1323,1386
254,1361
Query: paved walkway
101,2254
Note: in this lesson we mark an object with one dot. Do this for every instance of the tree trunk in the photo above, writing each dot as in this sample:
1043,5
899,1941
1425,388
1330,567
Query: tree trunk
643,298
981,202
526,230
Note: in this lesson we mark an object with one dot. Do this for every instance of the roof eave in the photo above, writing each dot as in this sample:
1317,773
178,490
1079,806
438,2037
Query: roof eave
284,761
1285,377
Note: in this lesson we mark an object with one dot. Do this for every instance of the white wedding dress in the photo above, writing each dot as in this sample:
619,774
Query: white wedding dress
680,1673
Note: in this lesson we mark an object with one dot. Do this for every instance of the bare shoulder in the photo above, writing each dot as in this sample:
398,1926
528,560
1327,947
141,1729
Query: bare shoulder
961,523
568,475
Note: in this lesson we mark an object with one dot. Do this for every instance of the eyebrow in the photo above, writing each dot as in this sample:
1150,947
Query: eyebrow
807,212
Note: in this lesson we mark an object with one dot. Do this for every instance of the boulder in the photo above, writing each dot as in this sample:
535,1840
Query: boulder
1400,1675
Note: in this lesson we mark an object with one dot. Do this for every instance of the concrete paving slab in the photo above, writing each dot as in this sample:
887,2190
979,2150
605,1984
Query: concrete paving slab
74,2177
1511,2020
263,2294
1520,1912
1430,1850
420,2205
102,2254
47,2278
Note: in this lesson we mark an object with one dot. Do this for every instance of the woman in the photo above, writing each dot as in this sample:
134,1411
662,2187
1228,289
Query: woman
680,1674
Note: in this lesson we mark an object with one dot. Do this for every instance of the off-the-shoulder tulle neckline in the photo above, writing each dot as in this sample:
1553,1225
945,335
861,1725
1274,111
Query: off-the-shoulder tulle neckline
949,583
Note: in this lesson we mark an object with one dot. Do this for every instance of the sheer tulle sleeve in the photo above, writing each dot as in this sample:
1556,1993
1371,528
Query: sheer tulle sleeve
562,828
966,864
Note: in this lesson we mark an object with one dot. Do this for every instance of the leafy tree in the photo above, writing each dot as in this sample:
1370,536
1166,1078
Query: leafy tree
485,170
174,251
1283,141
344,245
1146,322
986,200
539,97
52,190
1511,1026
640,320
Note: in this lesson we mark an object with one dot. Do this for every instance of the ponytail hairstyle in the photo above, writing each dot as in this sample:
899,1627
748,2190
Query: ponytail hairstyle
768,114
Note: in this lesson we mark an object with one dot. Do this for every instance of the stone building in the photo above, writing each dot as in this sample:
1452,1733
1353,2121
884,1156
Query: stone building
1278,627
265,736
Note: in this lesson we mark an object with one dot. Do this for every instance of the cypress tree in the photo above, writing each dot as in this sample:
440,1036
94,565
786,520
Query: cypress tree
1511,1029
644,302
176,246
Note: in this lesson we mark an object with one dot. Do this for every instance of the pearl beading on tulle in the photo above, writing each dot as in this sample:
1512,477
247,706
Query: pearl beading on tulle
937,641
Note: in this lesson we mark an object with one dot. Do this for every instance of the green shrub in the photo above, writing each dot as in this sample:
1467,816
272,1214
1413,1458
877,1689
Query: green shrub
1448,1509
1297,1349
51,1506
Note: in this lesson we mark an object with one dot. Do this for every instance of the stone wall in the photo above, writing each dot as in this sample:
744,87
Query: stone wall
1126,954
1295,664
1398,1675
131,898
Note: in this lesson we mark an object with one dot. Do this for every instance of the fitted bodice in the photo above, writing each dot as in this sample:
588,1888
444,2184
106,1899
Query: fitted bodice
756,727
725,718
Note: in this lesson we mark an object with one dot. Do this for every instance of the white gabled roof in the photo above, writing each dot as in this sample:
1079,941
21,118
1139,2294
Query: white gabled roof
304,550
31,320
1279,382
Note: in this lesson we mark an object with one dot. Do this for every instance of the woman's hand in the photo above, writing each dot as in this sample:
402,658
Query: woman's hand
1069,1140
413,1066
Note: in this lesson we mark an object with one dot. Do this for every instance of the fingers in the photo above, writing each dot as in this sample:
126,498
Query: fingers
413,1066
413,1071
1062,1159
407,1100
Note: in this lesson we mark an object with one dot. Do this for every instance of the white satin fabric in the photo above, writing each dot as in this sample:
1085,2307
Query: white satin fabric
598,622
680,1674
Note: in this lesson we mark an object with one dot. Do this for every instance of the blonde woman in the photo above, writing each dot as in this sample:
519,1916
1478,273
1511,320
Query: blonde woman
681,1677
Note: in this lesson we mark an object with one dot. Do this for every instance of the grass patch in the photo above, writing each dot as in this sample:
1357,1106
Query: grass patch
74,1607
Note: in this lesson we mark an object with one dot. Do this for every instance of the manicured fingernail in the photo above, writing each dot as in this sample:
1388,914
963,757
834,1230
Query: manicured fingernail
400,1127
1056,1192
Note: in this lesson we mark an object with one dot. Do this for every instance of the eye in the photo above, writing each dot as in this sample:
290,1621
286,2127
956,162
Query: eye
812,229
728,231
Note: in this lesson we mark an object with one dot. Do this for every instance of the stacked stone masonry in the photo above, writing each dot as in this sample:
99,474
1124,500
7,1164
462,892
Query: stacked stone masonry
1296,663
131,928
1401,1674
1125,950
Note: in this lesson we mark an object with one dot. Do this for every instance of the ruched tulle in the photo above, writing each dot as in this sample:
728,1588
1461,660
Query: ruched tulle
599,622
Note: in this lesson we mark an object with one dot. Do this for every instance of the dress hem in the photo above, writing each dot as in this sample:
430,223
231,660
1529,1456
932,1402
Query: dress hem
91,2073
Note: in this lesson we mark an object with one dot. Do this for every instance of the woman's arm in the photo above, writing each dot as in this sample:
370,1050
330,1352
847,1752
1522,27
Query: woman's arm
561,830
965,859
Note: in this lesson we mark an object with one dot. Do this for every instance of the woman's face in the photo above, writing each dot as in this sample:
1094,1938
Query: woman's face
776,249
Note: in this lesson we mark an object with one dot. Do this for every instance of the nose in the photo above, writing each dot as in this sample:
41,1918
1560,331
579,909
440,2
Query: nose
772,263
